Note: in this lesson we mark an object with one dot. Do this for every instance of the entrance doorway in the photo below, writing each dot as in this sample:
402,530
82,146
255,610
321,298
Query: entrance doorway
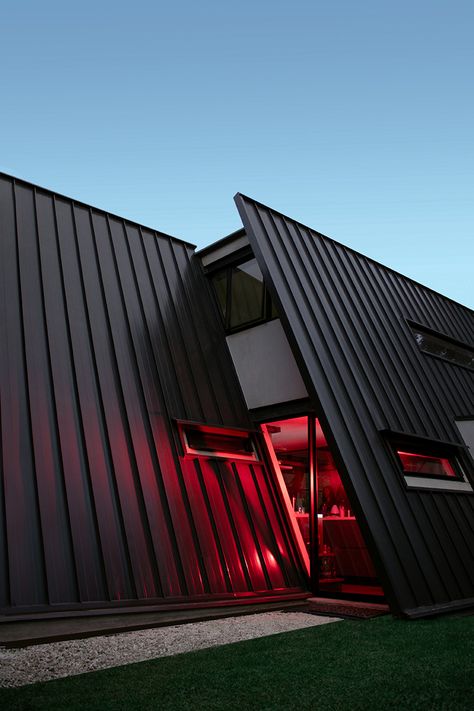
323,518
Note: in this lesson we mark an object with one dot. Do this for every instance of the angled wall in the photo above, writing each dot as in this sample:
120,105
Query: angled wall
107,334
346,318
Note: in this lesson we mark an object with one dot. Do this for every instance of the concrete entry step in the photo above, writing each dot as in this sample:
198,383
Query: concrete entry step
346,608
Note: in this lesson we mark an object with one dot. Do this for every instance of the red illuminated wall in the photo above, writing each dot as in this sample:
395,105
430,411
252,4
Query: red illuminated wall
108,333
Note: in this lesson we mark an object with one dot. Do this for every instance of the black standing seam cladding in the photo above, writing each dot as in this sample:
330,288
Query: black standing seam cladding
346,319
108,334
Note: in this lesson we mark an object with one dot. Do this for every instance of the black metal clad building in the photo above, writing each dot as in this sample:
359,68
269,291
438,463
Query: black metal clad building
346,318
108,333
110,337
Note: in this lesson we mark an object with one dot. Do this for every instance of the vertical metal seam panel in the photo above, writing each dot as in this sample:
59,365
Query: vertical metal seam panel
309,343
75,406
155,449
128,338
269,526
208,386
105,507
180,345
139,402
101,371
148,415
338,370
211,517
55,426
27,395
432,394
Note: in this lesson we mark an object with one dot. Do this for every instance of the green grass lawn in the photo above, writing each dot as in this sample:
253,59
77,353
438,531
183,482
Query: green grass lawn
374,665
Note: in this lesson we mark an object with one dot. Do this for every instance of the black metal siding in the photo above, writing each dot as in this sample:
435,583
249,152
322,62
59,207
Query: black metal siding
107,333
345,316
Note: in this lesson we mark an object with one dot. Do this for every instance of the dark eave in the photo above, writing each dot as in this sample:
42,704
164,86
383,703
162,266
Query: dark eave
220,242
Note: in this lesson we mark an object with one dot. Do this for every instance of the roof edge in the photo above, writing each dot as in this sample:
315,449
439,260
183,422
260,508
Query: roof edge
129,220
220,242
240,198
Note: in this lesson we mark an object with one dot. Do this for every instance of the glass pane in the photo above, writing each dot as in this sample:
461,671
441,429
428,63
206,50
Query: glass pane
290,442
423,465
219,282
345,565
219,443
438,346
273,309
247,294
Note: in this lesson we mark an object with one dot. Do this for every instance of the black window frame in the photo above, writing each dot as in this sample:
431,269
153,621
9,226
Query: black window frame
439,336
267,302
456,454
185,427
429,454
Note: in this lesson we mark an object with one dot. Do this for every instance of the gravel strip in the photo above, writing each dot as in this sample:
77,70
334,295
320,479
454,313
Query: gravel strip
42,662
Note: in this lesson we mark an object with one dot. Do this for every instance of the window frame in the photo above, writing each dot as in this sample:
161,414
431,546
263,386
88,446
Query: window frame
267,301
448,456
418,327
456,454
191,452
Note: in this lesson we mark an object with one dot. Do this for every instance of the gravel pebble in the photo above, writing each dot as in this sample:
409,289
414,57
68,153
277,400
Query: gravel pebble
42,662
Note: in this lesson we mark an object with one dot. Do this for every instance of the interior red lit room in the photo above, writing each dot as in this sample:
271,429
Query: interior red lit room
327,525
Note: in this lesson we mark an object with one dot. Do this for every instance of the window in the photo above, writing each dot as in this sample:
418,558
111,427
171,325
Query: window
242,296
443,347
247,294
325,527
417,464
430,464
220,287
219,442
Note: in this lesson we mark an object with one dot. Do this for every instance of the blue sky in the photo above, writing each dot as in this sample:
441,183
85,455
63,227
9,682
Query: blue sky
356,118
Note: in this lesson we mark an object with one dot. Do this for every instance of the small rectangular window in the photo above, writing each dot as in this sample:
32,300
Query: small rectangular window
429,463
443,347
415,464
219,442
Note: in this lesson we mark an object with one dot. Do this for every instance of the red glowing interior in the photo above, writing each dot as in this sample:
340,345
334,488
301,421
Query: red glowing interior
318,502
220,442
425,465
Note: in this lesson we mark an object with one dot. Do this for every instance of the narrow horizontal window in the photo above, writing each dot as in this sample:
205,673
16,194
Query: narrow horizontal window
444,348
429,463
220,442
426,465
